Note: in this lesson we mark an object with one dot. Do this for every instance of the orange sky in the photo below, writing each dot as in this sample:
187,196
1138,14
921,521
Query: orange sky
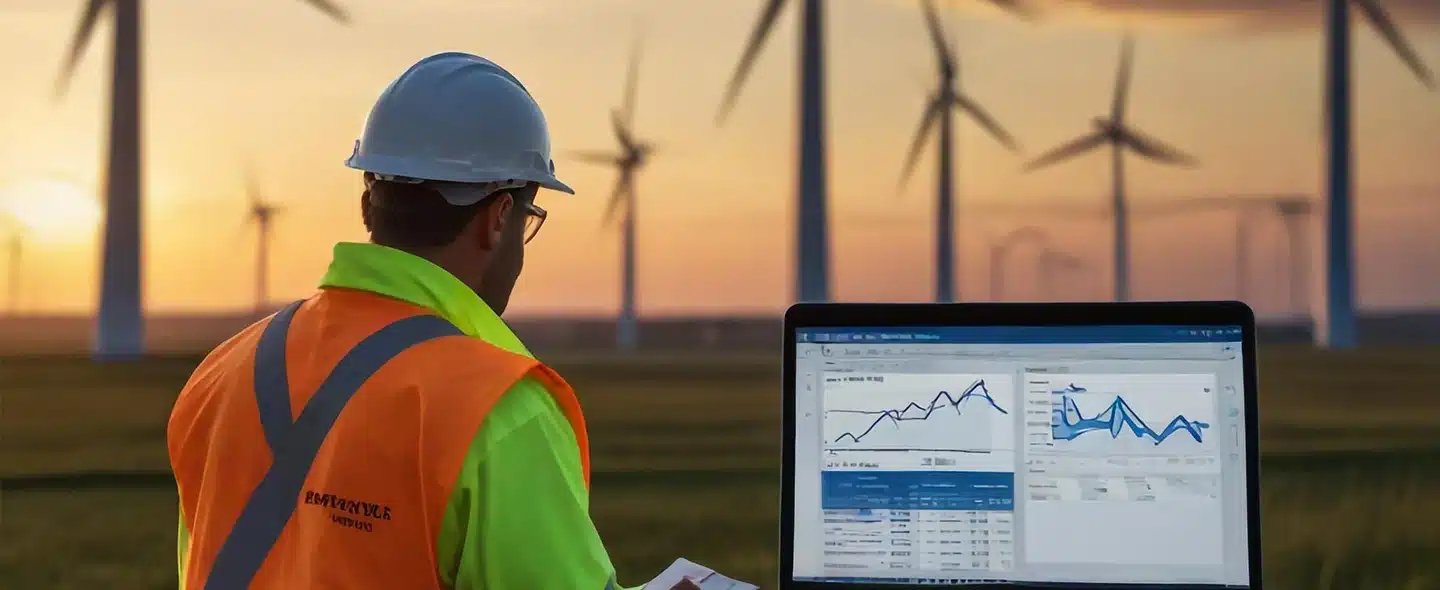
273,81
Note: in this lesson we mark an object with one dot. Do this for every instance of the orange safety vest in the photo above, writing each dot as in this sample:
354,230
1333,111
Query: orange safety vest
349,491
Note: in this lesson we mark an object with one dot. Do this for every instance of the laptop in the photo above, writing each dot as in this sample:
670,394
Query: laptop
1073,445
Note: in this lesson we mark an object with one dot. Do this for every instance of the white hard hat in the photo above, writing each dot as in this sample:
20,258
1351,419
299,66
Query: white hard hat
463,124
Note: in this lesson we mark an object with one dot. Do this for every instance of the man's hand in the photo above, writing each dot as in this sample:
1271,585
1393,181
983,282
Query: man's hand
685,584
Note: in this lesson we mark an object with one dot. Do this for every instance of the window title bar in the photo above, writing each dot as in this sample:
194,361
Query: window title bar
1023,334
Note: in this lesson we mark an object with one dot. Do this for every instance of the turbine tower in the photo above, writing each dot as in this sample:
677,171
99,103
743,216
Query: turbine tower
1119,135
1335,321
262,214
812,276
14,247
1294,213
939,111
633,155
119,331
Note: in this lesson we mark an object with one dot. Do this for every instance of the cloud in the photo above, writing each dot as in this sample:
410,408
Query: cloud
1243,14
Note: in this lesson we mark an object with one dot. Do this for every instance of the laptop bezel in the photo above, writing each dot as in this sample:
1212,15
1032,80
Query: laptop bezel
901,315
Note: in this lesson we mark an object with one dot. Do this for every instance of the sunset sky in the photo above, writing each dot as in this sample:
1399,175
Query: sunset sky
274,82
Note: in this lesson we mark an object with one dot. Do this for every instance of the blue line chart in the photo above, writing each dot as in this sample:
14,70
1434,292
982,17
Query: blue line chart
975,390
1116,418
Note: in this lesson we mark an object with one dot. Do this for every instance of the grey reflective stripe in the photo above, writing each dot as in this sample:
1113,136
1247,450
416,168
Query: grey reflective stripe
295,444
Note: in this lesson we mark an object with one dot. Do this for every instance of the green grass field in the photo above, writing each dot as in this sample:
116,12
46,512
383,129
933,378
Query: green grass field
686,464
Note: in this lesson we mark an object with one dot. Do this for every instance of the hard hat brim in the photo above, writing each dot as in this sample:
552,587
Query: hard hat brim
462,197
466,194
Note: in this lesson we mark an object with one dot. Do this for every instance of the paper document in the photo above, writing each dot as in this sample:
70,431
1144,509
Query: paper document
702,576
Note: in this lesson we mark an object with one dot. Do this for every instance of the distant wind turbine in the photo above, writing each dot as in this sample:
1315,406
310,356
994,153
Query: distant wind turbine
812,276
1244,207
939,111
1294,213
1052,263
14,247
1336,322
262,214
120,322
1000,249
634,153
1115,132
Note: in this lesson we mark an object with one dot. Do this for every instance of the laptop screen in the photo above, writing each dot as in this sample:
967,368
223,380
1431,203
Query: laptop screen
1075,454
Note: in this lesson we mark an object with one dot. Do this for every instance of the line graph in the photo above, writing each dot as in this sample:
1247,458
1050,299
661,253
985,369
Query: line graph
1069,423
1105,415
955,420
896,416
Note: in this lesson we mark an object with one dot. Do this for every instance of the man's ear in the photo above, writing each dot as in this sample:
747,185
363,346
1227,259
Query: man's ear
492,219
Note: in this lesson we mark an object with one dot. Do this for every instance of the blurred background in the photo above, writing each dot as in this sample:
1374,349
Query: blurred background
248,110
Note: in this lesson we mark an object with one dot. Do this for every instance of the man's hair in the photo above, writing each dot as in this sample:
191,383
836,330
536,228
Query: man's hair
416,217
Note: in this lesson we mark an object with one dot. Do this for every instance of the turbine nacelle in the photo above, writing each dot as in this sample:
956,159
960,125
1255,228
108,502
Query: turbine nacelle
637,155
263,213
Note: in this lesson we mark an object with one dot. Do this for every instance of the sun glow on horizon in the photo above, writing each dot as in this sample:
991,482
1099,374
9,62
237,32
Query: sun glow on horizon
51,209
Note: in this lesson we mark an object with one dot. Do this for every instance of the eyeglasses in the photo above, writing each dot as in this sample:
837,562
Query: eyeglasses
534,218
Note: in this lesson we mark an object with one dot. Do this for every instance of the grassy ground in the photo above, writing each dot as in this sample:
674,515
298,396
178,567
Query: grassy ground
686,453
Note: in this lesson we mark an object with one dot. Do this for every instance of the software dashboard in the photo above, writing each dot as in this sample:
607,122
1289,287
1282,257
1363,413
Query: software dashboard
1089,454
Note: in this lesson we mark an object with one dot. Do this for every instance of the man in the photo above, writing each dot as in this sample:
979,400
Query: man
391,431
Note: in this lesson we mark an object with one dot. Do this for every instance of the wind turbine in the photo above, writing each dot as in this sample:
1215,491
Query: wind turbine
1244,208
812,276
1119,135
633,155
1052,262
119,324
262,214
1293,210
14,246
1294,213
1335,326
940,110
1000,249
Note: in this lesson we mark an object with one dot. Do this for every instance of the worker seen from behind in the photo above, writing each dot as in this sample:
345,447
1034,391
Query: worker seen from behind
390,431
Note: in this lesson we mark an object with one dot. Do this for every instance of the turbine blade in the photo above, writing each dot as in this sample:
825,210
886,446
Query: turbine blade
83,32
1061,260
252,187
1385,25
768,15
937,36
631,82
594,157
1030,212
966,105
242,229
622,192
1154,149
1122,79
927,122
622,130
1067,151
331,9
1015,7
